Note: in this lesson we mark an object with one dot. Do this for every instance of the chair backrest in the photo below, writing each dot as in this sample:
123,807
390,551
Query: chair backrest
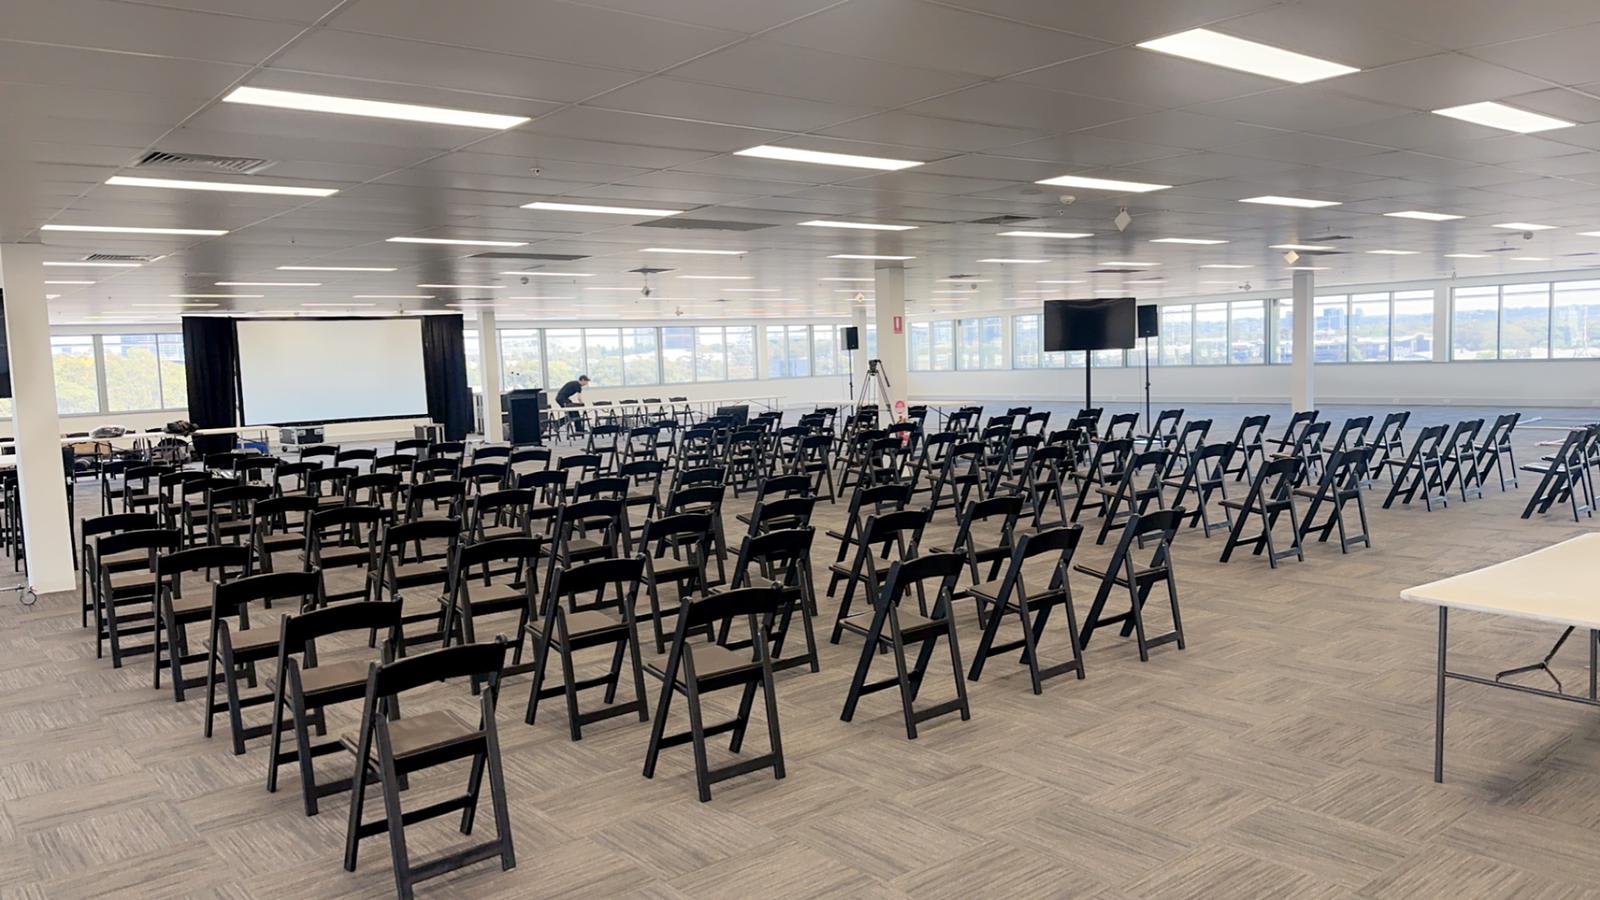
905,524
530,455
318,451
153,540
1167,421
360,454
615,486
704,495
622,576
523,550
784,509
374,488
481,662
759,603
1252,430
397,536
906,574
301,629
230,561
133,521
303,587
1122,425
498,453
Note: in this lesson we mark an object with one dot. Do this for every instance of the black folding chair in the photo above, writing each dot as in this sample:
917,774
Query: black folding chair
1271,495
1010,594
1138,579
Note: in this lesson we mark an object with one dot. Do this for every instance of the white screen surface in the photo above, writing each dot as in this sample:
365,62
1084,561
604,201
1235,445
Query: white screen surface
323,370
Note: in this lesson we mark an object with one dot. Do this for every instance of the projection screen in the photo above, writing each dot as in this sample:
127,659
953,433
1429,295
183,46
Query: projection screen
329,370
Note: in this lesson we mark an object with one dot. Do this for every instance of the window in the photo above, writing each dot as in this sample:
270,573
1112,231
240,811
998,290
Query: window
991,343
824,350
133,373
1283,347
788,351
563,349
1575,320
872,342
521,359
641,363
602,353
1525,321
1411,329
677,355
1329,332
174,376
1026,342
710,354
919,347
1369,328
1247,332
77,386
1475,323
944,347
469,341
1107,359
741,341
1210,334
1177,336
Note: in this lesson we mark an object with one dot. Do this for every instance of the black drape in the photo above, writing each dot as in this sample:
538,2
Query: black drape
444,360
210,359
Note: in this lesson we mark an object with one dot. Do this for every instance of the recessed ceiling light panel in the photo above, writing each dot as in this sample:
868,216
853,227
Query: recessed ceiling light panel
1503,117
378,109
227,187
1298,202
818,157
1227,51
1103,184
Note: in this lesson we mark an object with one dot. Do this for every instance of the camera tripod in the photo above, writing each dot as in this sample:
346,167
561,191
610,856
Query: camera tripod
874,386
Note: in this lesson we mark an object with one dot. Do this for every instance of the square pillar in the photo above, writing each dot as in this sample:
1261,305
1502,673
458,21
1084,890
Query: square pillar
889,308
41,476
1302,369
489,376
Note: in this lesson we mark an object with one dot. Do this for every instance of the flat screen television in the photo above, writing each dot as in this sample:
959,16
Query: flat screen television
1108,323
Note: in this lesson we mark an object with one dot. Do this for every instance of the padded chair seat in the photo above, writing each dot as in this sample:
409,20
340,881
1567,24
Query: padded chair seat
843,570
330,677
191,606
125,558
674,571
909,621
502,531
418,734
253,641
280,543
335,557
710,661
135,580
583,624
988,591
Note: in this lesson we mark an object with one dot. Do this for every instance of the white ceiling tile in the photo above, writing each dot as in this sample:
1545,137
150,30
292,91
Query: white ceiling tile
542,28
589,124
130,28
1434,82
791,70
914,33
745,17
927,131
1413,130
1306,149
1324,29
1120,21
729,106
1153,80
1207,164
1024,106
1299,108
1176,128
1503,149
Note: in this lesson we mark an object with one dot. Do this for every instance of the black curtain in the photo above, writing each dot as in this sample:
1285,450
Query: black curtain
210,359
444,361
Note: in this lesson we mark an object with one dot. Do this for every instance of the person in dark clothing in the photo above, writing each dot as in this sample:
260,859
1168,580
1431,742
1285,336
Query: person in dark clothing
571,395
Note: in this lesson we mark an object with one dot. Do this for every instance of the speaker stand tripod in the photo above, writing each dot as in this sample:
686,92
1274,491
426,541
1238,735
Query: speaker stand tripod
1149,423
874,388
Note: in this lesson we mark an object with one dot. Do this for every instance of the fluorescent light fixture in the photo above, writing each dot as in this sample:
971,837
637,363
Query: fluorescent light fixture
269,284
466,287
795,154
1300,202
962,280
216,296
1525,226
1131,265
852,291
88,264
339,305
377,109
863,226
337,269
392,296
1302,247
230,187
716,277
172,305
1062,281
538,297
630,289
1394,252
1503,117
126,229
1530,258
1060,235
867,256
52,296
847,279
1424,216
1229,52
592,208
541,274
693,252
66,281
952,292
1308,268
752,291
1103,184
1144,281
1230,283
1226,266
1580,234
464,242
1203,242
1466,256
1012,262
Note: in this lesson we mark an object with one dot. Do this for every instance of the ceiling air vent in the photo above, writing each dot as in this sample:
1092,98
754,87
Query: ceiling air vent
1114,271
1322,252
233,165
1326,238
117,257
702,224
1003,220
548,257
648,270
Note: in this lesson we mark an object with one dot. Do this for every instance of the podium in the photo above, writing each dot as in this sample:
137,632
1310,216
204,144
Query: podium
525,408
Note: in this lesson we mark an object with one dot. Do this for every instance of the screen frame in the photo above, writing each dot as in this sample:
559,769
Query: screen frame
238,375
1101,304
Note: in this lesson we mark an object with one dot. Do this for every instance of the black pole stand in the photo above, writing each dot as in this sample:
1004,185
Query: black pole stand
1088,378
1148,422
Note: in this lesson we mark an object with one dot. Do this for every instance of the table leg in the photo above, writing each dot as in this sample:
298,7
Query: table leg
1438,713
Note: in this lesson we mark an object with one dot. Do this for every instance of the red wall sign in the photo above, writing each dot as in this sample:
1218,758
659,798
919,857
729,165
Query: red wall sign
899,325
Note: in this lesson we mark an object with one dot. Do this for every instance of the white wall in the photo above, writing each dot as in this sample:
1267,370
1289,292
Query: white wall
788,391
1535,383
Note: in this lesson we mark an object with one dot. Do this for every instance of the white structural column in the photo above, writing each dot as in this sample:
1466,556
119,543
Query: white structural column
860,314
489,376
1302,370
1441,323
41,478
889,309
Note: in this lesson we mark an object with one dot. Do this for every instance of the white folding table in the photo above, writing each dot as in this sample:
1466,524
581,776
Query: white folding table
1555,586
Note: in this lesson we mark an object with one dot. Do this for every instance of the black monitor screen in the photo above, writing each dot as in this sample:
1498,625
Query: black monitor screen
1101,324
